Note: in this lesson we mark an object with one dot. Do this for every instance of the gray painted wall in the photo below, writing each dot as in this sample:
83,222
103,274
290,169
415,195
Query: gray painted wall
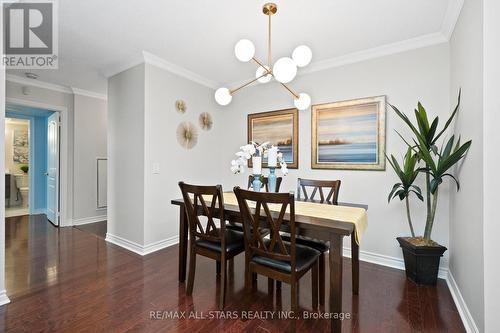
126,155
90,138
466,206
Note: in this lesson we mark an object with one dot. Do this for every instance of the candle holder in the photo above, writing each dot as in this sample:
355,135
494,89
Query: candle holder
256,183
271,180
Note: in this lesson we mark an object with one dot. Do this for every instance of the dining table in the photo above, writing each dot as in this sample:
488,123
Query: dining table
326,222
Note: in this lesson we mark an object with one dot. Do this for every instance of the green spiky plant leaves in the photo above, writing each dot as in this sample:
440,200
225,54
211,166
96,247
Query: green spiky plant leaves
423,150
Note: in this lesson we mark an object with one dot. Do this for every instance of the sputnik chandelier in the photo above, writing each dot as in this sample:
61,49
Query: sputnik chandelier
284,69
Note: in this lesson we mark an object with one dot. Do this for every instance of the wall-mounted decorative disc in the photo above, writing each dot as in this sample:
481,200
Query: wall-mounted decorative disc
180,106
187,135
206,121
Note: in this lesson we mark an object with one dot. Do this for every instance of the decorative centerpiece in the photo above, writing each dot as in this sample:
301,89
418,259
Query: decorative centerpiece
257,152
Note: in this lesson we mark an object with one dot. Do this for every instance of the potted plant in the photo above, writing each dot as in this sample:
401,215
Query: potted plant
24,168
423,157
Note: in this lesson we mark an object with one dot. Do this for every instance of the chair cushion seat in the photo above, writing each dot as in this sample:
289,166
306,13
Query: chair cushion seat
239,228
305,258
234,242
316,244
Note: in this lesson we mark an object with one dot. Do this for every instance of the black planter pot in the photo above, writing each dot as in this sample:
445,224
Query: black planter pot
421,262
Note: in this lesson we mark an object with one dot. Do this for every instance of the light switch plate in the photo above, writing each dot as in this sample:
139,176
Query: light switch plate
156,168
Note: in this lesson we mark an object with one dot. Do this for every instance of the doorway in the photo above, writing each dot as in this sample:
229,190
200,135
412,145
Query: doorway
32,162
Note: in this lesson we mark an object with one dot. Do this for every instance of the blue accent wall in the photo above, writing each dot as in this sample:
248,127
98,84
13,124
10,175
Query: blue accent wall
38,155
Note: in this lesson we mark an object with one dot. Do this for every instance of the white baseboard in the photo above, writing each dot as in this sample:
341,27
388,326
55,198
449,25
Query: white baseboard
88,220
389,261
141,249
463,310
3,298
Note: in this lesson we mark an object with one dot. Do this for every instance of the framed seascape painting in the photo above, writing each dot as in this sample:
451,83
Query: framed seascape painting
279,128
349,134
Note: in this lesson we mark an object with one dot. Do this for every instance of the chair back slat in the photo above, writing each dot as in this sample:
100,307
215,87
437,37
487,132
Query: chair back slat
265,182
254,220
196,206
318,187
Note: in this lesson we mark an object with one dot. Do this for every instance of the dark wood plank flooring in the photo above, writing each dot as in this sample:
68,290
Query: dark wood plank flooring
98,228
69,280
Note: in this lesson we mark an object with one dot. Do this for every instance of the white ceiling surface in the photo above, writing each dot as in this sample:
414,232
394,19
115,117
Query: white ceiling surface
97,37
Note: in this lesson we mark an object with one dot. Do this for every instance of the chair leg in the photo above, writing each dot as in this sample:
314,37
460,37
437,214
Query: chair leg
217,268
192,268
270,286
314,286
248,279
294,297
222,283
254,280
278,285
321,274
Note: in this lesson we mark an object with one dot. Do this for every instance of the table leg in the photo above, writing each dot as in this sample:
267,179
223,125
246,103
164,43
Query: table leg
183,235
355,264
335,259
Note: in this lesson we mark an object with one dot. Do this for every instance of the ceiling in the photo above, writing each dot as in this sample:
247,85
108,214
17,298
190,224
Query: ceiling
98,37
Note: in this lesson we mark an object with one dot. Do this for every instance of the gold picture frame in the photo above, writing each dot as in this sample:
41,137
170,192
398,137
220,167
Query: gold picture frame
349,135
280,128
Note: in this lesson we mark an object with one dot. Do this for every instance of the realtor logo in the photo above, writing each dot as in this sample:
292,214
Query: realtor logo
30,35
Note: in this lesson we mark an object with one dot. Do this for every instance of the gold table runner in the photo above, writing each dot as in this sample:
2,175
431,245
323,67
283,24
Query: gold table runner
354,215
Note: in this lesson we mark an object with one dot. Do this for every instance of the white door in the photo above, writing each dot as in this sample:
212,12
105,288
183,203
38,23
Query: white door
53,169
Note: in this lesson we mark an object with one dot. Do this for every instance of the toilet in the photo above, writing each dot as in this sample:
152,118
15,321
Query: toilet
22,184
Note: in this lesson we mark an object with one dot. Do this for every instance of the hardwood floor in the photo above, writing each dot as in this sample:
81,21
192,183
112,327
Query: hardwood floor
98,228
69,280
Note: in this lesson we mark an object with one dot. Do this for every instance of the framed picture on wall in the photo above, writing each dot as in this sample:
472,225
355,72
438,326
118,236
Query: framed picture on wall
279,128
349,134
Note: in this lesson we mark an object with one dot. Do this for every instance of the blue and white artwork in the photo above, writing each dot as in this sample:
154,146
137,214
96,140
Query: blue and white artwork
279,128
349,135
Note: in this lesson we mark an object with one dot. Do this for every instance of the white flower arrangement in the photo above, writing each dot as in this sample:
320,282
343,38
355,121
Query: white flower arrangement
254,149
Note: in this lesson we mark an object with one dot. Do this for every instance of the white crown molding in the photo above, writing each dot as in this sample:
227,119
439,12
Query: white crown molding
451,17
54,87
178,70
377,52
123,66
87,93
37,83
463,310
141,249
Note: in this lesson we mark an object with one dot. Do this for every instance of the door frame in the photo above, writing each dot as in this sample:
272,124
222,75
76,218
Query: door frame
64,176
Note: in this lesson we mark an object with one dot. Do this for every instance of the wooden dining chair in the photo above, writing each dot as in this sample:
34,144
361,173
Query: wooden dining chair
208,239
265,182
320,187
273,257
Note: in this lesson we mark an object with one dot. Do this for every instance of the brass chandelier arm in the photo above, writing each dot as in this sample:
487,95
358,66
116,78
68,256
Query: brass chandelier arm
246,84
290,90
269,62
270,72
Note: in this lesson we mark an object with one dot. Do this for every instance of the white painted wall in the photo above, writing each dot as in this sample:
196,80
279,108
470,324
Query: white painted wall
203,164
466,213
491,120
126,155
405,78
90,137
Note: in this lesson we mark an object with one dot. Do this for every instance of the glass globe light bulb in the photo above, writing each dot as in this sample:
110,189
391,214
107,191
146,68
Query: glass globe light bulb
302,55
261,71
303,102
223,96
244,50
284,70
